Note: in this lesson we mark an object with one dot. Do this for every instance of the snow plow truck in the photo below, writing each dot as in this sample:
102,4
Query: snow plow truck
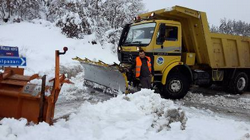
183,51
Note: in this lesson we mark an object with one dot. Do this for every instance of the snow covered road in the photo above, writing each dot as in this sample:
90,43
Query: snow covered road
223,104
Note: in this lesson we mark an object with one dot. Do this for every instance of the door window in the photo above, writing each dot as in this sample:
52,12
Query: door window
170,35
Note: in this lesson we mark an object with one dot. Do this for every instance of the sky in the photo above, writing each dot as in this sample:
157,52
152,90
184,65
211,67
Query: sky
215,9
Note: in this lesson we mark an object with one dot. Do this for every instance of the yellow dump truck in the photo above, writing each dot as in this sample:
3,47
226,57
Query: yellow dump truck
185,52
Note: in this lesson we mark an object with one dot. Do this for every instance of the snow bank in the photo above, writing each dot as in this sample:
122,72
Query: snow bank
38,41
122,119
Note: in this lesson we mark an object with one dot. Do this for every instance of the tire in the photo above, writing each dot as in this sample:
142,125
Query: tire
176,87
240,83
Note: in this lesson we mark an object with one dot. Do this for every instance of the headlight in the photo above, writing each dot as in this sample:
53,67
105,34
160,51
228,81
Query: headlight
152,14
134,19
119,48
137,48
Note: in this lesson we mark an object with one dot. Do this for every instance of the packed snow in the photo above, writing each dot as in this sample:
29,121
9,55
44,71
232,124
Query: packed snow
228,100
142,115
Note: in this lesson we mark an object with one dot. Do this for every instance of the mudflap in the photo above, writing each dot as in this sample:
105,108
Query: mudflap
111,77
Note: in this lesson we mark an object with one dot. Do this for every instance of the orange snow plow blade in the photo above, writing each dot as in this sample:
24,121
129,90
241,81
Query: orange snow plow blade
19,98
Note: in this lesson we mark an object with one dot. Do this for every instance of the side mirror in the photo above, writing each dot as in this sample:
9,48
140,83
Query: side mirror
162,32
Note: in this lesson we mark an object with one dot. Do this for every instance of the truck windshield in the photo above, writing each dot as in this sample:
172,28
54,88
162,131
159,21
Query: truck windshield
140,35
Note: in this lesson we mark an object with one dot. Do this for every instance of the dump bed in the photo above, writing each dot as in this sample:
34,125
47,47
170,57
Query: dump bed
216,50
228,51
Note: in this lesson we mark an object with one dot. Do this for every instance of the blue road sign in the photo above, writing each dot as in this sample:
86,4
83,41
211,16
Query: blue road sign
9,51
12,61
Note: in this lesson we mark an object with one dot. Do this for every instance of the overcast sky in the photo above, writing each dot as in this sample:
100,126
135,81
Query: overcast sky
215,9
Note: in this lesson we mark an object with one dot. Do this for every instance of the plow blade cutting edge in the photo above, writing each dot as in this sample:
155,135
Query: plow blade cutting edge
108,76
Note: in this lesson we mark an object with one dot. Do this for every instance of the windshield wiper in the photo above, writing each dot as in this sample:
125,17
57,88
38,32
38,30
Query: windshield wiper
136,42
133,43
130,43
126,43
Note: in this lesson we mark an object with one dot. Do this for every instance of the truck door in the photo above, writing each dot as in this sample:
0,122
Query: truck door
170,50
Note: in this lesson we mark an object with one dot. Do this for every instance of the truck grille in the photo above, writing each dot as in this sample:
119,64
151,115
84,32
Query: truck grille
129,57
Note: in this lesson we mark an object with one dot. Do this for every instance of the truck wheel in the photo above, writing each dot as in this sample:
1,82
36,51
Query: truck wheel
240,83
176,87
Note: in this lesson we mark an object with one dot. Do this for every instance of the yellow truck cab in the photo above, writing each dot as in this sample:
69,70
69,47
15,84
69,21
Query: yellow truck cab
184,52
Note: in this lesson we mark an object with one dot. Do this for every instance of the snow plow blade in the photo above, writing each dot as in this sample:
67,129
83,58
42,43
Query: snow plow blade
110,78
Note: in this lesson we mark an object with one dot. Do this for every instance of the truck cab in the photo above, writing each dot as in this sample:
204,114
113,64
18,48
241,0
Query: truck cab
161,40
146,35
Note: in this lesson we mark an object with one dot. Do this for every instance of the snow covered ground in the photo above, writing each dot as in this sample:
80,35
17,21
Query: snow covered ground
38,42
95,117
118,118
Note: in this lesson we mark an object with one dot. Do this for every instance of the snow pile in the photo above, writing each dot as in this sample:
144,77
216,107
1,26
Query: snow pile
216,100
129,120
113,119
161,109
